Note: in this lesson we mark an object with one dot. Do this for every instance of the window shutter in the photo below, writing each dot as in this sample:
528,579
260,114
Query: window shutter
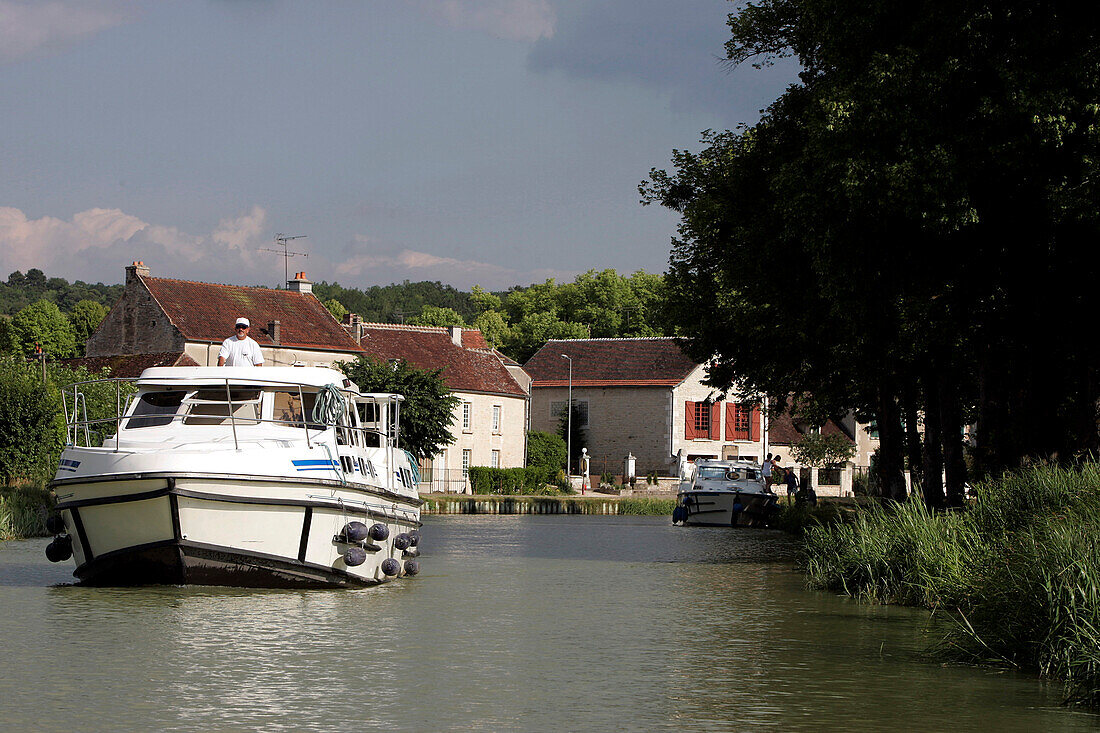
755,422
716,421
689,420
731,421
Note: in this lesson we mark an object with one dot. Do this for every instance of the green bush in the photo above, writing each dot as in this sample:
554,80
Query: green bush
512,481
545,450
31,427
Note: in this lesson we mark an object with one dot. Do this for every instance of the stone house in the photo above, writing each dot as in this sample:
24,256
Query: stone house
644,397
162,321
490,421
166,316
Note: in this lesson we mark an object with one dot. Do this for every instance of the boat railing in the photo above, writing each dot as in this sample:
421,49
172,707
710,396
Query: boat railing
77,423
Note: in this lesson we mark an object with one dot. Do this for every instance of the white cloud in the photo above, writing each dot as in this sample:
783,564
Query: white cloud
26,27
413,265
243,232
97,242
514,20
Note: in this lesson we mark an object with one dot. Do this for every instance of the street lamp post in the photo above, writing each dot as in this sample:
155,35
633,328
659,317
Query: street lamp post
569,422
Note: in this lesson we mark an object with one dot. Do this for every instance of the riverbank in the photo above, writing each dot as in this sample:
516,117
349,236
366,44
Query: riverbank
23,511
565,504
1018,571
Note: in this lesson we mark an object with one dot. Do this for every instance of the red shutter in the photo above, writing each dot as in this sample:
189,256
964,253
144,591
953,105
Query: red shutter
689,420
731,421
755,431
716,421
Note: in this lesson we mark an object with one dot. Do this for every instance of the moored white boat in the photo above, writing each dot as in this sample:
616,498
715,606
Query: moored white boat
724,494
267,477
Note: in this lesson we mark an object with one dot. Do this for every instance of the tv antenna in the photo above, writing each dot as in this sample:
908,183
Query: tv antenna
280,241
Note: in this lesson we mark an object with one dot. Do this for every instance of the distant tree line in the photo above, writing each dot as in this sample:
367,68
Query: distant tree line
50,314
597,304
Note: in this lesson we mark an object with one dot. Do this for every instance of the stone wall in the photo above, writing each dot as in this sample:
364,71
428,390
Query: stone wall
136,324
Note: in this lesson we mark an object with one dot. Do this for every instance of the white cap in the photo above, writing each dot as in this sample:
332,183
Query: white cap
243,322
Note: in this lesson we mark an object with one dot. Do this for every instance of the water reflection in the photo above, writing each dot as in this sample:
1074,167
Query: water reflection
516,623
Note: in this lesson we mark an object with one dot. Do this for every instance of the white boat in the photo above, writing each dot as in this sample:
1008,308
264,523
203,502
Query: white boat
263,477
724,494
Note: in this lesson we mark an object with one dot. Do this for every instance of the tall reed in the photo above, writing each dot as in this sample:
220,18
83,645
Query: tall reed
1019,570
23,510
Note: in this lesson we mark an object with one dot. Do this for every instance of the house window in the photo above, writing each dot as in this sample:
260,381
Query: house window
496,459
742,421
465,463
496,418
702,418
580,411
466,409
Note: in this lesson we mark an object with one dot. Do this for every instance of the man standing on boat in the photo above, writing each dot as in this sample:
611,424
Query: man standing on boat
240,350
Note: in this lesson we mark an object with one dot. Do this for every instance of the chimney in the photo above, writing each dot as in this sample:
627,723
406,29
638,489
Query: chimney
300,284
353,324
456,334
136,270
274,330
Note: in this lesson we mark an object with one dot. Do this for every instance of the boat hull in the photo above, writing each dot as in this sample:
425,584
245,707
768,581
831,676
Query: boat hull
725,508
195,530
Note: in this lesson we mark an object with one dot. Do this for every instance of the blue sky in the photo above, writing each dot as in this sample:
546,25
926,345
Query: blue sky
491,142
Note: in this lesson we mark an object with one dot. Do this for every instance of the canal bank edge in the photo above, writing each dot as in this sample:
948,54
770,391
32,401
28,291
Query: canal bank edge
496,504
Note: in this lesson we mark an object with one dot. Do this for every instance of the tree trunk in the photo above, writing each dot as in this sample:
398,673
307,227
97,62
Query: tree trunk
951,420
891,447
932,454
912,437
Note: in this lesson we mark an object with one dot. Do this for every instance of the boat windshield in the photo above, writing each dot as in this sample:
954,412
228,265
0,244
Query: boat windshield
723,473
155,408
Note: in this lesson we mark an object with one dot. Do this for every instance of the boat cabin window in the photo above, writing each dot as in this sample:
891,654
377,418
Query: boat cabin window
369,420
712,473
211,406
288,408
155,408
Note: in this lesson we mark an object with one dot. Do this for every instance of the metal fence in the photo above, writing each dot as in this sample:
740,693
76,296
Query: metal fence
443,480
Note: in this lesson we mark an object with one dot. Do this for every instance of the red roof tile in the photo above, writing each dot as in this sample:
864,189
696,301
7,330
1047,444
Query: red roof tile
610,362
782,430
426,347
206,312
129,366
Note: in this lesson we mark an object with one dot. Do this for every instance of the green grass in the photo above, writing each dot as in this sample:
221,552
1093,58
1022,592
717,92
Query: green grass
1019,570
646,506
23,510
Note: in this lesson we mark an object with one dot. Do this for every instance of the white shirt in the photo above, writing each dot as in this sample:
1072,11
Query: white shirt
766,468
241,352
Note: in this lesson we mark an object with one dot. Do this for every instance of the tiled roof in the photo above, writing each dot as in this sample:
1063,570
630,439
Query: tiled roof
610,362
427,347
206,312
129,366
782,430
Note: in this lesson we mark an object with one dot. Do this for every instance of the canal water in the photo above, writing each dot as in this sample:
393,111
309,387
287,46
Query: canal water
527,623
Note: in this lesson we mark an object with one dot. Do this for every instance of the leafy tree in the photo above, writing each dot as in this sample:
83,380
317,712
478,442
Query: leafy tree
435,316
42,323
493,327
85,319
428,409
336,308
818,451
31,430
923,195
545,450
567,428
